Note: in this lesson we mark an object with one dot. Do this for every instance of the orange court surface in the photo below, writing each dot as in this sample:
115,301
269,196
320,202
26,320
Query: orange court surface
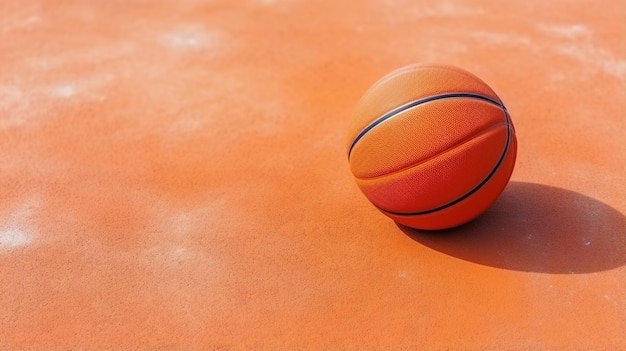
174,176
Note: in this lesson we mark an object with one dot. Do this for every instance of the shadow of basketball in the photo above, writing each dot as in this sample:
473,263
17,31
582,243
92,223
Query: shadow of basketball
537,228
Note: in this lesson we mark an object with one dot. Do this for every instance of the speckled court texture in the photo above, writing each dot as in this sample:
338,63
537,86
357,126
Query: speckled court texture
173,176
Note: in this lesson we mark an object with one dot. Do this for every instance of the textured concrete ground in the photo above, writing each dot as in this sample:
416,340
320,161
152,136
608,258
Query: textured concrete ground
174,174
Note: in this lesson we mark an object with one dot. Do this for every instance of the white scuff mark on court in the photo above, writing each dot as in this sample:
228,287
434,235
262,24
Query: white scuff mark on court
443,9
9,94
576,42
191,38
172,223
104,54
594,57
450,9
19,107
565,31
182,223
178,257
20,23
277,3
64,90
15,228
88,87
509,40
268,2
179,253
22,105
12,238
500,38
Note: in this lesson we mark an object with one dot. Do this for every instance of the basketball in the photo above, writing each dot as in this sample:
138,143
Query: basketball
431,146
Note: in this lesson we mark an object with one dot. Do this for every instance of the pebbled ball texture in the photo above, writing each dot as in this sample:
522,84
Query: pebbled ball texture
431,146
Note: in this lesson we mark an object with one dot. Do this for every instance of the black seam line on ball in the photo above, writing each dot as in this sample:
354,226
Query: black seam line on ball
415,103
493,171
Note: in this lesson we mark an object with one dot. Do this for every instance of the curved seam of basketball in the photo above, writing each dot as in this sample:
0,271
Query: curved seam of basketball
480,185
421,162
417,67
414,104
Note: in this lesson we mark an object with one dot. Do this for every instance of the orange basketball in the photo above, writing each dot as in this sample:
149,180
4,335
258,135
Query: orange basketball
431,146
